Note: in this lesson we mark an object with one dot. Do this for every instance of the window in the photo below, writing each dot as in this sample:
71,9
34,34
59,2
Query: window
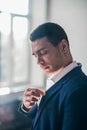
16,64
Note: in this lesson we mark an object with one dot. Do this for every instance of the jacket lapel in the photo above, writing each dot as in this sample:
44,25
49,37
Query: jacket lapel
45,99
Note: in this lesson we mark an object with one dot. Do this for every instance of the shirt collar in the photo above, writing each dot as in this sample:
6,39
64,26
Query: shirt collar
54,78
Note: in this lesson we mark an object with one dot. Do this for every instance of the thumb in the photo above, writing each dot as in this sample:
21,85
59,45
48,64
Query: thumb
41,92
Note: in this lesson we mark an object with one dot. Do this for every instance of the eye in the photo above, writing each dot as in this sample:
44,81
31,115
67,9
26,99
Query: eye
43,52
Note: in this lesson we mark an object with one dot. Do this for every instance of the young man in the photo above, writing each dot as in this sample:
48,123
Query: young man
63,106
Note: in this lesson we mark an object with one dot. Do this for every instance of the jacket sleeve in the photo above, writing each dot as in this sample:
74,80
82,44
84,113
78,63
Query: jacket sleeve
31,113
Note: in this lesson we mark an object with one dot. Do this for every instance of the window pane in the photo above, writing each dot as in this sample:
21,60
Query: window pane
5,23
20,27
21,59
5,55
14,6
5,29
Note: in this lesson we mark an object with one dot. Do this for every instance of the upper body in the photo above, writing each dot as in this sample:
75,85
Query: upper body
63,106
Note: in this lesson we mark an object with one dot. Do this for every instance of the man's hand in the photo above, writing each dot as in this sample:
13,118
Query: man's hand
31,96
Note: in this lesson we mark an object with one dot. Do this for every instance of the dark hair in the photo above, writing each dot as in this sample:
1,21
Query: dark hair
54,33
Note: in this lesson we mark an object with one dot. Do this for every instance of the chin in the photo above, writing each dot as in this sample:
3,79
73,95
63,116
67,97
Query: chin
48,72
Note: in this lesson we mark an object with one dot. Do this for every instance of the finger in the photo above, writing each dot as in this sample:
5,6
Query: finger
32,93
28,105
32,103
37,91
31,98
41,92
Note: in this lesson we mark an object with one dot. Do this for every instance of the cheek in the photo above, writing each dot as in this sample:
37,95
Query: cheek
56,60
53,58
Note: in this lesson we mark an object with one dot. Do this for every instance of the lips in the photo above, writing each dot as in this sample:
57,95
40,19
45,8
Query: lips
44,67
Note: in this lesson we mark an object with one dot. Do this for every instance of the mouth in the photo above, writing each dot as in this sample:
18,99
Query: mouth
44,67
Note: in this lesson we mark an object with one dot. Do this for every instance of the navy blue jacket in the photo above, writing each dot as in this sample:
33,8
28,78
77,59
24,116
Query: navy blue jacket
64,107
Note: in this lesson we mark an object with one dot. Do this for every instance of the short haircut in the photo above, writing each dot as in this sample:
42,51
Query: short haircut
52,31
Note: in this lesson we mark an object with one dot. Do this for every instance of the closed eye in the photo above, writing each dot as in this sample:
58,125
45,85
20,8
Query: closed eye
43,52
40,52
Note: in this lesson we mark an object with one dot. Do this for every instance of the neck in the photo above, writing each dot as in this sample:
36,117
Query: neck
60,69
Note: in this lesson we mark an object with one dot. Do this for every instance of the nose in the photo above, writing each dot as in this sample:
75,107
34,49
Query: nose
39,60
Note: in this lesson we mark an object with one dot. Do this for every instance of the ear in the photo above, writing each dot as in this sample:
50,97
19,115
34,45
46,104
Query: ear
64,46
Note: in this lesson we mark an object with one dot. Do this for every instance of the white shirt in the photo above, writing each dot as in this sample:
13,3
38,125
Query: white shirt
54,78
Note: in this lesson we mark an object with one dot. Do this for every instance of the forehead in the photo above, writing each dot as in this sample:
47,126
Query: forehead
42,43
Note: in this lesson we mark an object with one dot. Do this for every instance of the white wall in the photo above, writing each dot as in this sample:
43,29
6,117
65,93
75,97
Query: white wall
72,15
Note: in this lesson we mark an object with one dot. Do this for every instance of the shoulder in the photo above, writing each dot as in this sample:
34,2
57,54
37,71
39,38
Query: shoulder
74,85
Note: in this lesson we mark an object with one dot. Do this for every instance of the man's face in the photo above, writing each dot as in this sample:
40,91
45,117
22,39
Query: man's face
49,57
